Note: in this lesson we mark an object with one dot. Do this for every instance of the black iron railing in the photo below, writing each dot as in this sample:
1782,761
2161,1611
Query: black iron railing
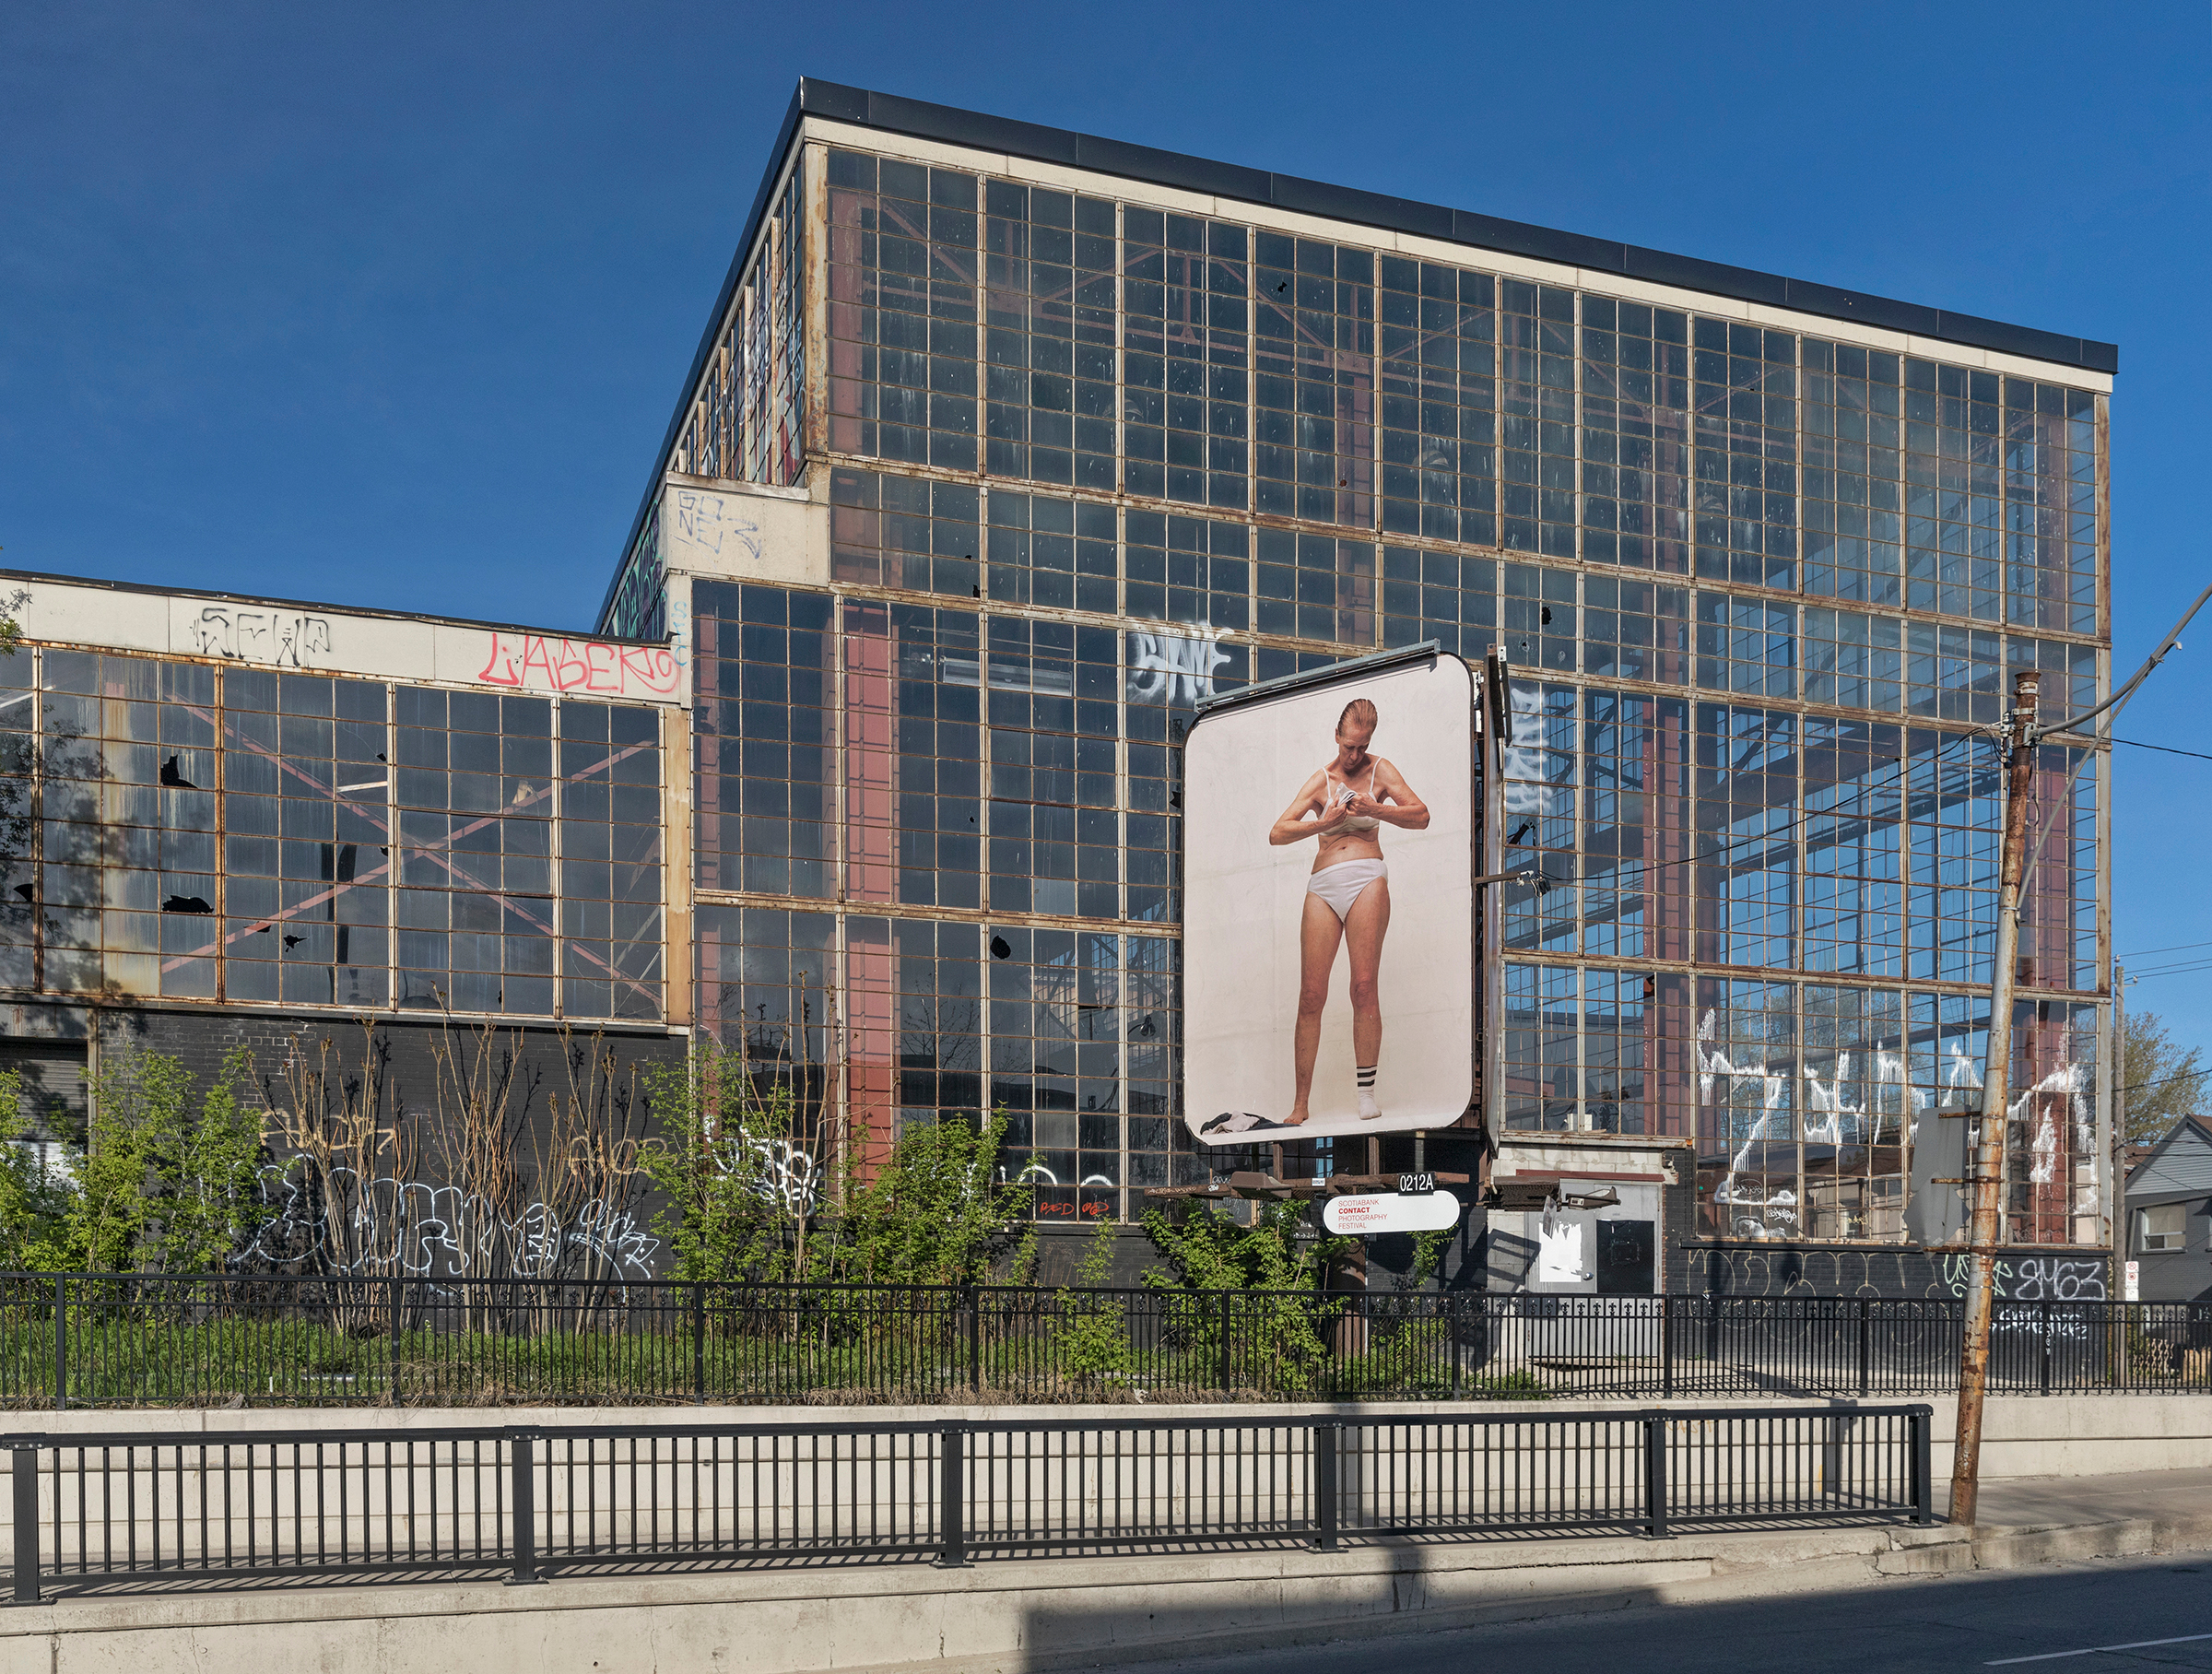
118,1341
136,1509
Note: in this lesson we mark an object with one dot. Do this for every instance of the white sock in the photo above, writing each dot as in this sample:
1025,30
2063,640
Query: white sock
1367,1073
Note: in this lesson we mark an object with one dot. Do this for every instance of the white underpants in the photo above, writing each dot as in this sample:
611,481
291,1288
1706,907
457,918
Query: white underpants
1340,885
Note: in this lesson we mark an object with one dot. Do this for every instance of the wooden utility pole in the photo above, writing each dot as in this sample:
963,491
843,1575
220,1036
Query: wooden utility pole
1987,1166
1988,1156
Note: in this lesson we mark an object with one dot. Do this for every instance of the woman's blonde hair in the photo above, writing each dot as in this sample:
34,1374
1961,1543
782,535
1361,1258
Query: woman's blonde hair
1358,713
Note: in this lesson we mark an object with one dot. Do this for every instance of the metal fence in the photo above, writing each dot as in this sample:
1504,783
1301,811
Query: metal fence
134,1509
118,1341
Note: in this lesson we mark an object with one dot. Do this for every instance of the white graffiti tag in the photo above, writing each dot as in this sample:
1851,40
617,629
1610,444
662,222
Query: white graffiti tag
1169,668
440,1231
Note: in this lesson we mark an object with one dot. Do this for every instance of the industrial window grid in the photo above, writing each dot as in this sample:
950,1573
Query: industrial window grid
1185,568
1070,1034
1856,658
1636,428
1191,574
1055,553
1050,320
1450,597
1668,432
1634,867
1187,363
1635,629
256,836
903,342
763,739
1437,343
1744,386
1055,829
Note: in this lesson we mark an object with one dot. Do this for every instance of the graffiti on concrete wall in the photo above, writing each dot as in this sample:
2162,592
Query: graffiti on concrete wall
1810,1271
1813,1271
717,524
2034,1278
440,1231
285,638
546,661
422,1231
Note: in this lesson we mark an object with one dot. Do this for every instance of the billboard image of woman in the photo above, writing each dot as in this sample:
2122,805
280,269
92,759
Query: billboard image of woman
1341,809
1314,935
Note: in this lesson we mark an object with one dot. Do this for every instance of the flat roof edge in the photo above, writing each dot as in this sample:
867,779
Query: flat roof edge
950,126
317,605
774,173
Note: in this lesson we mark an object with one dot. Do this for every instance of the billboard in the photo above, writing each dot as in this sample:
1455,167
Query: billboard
1329,906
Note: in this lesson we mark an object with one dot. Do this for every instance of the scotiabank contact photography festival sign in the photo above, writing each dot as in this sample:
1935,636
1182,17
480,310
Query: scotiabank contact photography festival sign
1328,908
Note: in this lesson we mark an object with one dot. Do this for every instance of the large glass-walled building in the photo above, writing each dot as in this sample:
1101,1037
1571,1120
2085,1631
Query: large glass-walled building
1005,447
241,829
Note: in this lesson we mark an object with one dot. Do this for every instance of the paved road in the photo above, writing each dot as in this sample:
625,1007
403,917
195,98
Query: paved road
1939,1625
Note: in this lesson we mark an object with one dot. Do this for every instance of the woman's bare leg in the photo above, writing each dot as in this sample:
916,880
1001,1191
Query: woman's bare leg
1364,927
1318,934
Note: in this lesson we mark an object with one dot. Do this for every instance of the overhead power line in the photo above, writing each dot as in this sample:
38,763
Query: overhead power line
2167,749
1625,879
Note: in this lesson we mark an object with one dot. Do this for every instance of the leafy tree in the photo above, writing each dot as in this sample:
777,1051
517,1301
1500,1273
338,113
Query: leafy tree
1211,1251
934,1213
1427,1256
1275,1341
745,1193
739,1184
166,1187
34,1202
2162,1082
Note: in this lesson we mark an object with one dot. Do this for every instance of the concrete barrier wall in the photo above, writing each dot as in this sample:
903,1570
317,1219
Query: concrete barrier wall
998,1618
1004,1617
373,1498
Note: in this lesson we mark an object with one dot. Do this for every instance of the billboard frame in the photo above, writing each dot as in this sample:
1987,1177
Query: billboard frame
1486,774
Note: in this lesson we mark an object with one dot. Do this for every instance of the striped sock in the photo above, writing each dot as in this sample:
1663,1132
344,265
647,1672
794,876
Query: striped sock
1367,1076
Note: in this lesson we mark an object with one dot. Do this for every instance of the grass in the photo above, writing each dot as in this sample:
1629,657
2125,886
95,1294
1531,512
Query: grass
114,1359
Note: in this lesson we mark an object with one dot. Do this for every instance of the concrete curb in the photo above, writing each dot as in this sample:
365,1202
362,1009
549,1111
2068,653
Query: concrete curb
1936,1552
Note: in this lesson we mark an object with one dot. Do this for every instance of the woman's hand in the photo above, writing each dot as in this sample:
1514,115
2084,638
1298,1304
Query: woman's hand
1361,806
1309,815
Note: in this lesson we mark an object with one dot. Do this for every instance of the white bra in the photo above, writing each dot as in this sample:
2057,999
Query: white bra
1336,797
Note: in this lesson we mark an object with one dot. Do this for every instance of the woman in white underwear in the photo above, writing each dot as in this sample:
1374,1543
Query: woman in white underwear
1343,807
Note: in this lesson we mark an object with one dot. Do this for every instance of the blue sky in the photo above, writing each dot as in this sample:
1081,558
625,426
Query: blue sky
389,304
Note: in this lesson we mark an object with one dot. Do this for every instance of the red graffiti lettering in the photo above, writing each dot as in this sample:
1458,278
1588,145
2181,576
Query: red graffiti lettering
650,667
500,666
538,662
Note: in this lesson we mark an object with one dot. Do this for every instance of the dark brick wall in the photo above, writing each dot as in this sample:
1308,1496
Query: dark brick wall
534,1066
1678,1224
1776,1269
537,1061
53,1085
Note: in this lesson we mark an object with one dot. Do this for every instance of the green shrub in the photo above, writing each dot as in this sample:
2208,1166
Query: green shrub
1091,1329
166,1187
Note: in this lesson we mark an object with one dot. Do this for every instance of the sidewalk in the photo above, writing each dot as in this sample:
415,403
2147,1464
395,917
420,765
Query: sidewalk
2027,1520
2039,1501
1026,1616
